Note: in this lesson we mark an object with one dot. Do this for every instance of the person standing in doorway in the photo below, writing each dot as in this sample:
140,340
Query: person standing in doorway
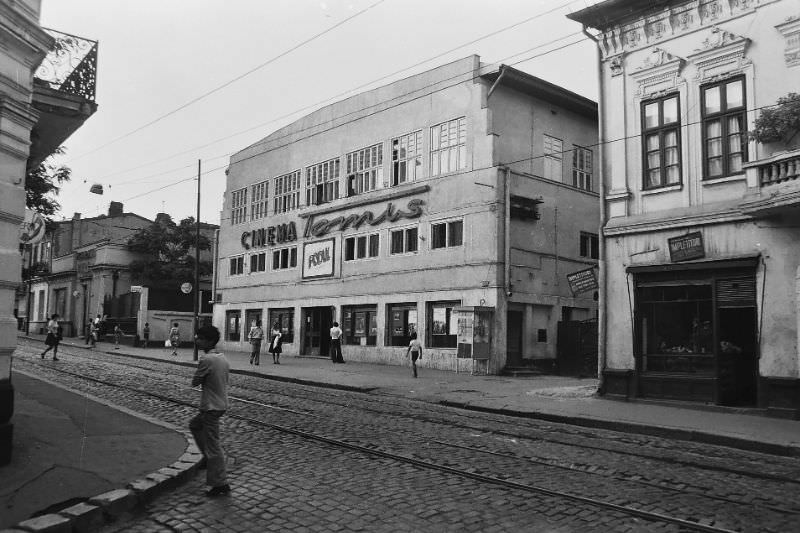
53,336
256,335
275,343
415,351
336,343
146,333
174,338
212,375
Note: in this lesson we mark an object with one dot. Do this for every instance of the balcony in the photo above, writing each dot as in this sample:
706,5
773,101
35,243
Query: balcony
777,179
64,93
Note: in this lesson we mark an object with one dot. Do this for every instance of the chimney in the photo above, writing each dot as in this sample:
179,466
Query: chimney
115,209
76,216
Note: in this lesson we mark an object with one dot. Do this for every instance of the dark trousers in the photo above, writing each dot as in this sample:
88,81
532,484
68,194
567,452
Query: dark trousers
255,351
336,351
205,428
414,357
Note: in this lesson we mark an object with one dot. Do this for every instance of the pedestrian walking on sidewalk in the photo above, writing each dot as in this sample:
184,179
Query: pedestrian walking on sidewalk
256,335
212,375
275,343
96,323
336,343
146,333
53,336
94,331
415,351
174,338
117,336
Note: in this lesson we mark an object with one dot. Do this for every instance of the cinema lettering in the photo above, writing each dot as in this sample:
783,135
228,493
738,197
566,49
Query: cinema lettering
262,237
321,227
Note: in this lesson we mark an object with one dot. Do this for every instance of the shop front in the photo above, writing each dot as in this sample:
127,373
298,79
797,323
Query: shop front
696,331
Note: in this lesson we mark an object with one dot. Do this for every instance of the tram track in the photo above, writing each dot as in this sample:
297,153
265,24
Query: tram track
428,464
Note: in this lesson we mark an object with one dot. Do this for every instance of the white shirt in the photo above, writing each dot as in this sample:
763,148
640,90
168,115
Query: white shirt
336,332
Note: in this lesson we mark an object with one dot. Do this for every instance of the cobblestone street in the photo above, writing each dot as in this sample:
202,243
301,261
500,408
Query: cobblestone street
304,458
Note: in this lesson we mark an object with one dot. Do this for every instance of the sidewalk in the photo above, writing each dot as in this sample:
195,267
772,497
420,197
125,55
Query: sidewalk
552,398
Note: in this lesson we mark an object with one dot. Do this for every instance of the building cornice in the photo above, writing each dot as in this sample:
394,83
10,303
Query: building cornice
626,227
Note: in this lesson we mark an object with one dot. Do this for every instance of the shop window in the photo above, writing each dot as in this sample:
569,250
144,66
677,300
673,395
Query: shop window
402,322
582,168
286,193
676,328
284,258
406,157
361,247
258,200
404,241
360,325
448,147
251,316
285,319
447,234
258,262
239,206
553,155
589,246
233,325
60,297
364,169
724,128
661,142
322,182
236,266
442,325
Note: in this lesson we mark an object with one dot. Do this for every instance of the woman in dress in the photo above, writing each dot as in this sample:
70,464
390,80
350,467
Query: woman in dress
53,337
174,338
275,343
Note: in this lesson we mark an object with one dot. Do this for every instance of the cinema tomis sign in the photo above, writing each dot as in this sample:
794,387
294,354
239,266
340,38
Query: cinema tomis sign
319,227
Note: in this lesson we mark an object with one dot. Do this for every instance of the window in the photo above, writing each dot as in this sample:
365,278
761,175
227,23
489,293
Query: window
233,325
724,128
258,262
285,320
322,182
287,192
60,298
402,322
404,241
361,247
589,246
442,326
582,168
661,141
239,206
258,200
251,316
364,169
541,335
447,234
284,258
406,157
360,325
448,147
553,150
237,266
42,315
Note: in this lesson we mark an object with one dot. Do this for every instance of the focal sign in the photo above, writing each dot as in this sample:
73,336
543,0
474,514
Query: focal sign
318,259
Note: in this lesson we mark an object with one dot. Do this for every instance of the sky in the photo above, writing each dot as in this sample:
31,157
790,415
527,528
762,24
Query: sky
182,81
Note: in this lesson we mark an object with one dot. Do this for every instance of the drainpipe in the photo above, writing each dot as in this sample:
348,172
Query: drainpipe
507,232
215,267
602,327
497,81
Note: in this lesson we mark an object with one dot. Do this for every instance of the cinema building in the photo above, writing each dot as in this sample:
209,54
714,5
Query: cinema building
700,255
452,204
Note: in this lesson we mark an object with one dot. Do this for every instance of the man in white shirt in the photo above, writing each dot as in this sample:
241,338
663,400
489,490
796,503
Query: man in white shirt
336,344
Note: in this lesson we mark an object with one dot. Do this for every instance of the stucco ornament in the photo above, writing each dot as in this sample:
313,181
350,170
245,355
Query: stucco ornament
721,53
616,65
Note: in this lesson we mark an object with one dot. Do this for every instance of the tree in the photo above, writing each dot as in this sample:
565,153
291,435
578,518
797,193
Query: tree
168,249
780,122
42,185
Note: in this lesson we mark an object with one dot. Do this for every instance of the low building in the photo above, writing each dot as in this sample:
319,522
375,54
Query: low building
451,204
700,256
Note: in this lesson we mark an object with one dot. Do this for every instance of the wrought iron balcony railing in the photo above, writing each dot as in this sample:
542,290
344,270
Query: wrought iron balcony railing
70,66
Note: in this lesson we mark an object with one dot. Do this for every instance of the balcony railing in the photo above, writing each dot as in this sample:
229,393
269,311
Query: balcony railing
776,169
70,66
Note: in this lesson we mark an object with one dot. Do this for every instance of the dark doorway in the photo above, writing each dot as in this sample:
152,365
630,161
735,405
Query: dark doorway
737,361
317,322
514,338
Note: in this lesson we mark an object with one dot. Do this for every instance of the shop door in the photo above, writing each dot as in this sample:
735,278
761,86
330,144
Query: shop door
514,338
737,356
317,322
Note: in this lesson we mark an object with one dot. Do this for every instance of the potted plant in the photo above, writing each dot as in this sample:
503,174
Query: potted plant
779,122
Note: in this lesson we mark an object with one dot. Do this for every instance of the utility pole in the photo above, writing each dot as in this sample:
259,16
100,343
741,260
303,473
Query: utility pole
197,291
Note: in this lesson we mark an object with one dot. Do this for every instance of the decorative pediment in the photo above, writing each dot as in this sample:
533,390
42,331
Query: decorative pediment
721,53
658,71
790,29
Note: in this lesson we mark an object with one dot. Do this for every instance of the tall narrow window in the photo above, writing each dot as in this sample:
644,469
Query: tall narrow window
258,200
406,157
239,206
322,182
582,168
662,142
286,192
364,169
589,246
553,155
724,128
449,147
